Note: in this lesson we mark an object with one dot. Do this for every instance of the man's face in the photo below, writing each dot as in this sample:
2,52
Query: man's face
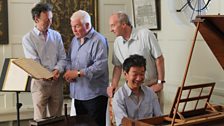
79,29
115,26
44,21
135,77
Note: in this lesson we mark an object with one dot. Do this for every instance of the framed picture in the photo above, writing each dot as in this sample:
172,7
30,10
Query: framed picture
63,10
4,39
147,14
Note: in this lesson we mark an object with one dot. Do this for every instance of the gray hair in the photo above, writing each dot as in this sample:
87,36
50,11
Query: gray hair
123,18
83,16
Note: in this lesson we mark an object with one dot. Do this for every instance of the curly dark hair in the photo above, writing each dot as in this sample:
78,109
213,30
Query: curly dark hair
40,7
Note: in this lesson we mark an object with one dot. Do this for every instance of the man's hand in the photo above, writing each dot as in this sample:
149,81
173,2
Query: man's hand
157,87
56,74
70,75
110,91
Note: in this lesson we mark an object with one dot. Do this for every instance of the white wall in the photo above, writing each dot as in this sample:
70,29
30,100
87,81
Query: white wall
20,22
175,41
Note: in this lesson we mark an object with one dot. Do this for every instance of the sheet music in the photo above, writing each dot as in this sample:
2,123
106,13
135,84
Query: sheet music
33,68
15,79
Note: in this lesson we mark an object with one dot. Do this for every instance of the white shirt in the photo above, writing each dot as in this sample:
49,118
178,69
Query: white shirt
142,42
48,52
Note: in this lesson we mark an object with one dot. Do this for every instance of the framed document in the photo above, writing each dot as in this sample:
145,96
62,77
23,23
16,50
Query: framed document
147,14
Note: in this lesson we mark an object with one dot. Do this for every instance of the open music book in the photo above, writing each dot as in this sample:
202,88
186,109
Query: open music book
33,68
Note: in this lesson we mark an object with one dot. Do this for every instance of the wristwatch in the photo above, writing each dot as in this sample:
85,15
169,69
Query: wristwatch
161,81
79,74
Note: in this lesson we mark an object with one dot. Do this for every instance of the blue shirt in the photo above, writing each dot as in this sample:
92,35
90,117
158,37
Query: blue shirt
125,104
92,58
48,52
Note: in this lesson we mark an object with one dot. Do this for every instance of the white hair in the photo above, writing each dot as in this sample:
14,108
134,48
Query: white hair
83,16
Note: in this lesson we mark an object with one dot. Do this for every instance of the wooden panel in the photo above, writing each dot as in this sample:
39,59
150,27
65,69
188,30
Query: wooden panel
209,119
212,31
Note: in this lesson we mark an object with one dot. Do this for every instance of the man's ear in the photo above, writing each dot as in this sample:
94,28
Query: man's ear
36,19
125,75
123,25
87,26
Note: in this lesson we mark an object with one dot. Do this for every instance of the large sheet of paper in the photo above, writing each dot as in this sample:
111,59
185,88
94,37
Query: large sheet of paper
15,78
33,68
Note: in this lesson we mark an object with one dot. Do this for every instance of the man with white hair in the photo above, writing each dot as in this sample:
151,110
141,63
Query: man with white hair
87,69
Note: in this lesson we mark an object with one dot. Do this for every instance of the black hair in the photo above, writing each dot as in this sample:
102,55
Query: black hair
134,61
40,7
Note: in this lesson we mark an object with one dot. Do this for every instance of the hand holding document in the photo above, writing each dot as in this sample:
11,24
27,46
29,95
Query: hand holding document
33,68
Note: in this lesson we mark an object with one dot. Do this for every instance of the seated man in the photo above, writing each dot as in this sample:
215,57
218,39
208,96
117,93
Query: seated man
133,99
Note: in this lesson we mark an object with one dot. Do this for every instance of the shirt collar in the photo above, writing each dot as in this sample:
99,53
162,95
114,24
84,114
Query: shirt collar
89,34
129,91
133,36
37,32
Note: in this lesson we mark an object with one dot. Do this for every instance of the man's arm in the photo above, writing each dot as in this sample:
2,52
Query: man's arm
160,67
61,59
161,73
156,106
115,79
119,107
29,49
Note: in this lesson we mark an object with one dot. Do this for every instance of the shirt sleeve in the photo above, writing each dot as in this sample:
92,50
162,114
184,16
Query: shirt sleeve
156,105
28,48
118,106
99,55
115,60
154,44
61,63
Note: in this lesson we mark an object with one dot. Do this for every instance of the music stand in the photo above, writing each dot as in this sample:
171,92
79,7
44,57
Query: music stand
21,70
11,73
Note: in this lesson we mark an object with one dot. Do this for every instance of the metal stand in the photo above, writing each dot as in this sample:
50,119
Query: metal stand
18,106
